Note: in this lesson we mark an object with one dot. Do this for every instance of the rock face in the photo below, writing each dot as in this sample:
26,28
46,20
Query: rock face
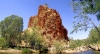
50,22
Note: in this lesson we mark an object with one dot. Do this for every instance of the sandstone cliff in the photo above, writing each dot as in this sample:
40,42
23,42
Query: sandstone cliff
50,22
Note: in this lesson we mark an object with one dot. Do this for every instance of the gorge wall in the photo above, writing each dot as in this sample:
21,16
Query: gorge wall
50,22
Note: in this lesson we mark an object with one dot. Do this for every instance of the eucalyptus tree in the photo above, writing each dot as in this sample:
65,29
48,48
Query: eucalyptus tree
84,8
11,28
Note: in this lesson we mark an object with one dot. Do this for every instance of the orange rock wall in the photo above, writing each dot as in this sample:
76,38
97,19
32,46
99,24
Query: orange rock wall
50,22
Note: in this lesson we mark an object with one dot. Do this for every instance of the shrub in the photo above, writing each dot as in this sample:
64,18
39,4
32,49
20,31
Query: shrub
43,49
17,47
59,46
26,51
3,43
33,37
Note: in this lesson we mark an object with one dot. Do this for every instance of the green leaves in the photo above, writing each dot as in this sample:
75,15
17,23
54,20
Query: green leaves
98,16
33,37
59,45
11,28
93,38
82,9
3,43
94,35
76,43
89,6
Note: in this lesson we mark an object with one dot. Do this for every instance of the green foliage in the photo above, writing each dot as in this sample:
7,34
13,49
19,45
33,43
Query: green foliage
43,49
3,43
59,45
89,6
83,8
46,4
93,7
77,43
34,38
11,28
26,51
94,36
18,48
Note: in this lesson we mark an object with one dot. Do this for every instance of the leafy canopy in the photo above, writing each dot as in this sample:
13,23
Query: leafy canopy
83,8
10,28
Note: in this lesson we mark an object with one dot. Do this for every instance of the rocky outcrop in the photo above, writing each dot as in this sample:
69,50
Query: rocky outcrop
95,47
50,22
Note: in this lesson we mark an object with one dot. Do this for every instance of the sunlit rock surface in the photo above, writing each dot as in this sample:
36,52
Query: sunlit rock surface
50,22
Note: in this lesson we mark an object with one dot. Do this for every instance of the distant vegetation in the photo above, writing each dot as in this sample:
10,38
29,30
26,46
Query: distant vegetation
84,9
93,38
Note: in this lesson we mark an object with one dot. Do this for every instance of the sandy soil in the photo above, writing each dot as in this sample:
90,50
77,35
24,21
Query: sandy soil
12,51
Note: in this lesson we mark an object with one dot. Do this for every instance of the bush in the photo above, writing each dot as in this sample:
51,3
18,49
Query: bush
59,46
17,47
26,51
33,38
43,49
77,43
3,43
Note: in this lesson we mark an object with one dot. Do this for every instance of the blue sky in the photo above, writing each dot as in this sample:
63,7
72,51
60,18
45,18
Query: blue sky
28,8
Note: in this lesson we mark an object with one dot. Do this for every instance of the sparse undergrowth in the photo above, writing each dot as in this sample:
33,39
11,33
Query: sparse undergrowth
26,51
59,46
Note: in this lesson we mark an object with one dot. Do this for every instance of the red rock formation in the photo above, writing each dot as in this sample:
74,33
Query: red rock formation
50,22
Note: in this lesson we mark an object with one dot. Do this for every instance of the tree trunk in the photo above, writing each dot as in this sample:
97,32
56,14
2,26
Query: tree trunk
95,27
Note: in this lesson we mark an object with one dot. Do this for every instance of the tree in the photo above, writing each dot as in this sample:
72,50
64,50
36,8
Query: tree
89,6
83,8
46,4
11,28
33,37
59,46
94,37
